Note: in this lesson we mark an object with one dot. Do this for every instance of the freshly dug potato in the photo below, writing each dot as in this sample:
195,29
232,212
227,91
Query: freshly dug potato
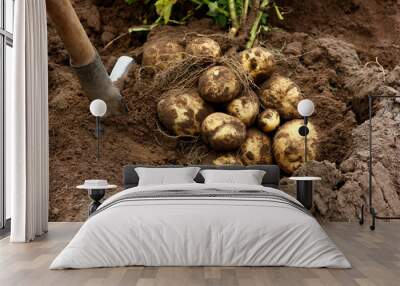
203,47
183,111
282,94
288,145
162,53
269,120
245,108
223,132
258,62
219,84
227,159
257,148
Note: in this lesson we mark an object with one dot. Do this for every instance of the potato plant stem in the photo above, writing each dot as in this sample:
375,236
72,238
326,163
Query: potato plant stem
217,9
256,25
233,15
278,13
245,11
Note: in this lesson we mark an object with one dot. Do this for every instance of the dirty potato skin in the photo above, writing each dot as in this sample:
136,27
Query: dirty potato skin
162,53
288,145
203,47
219,84
223,132
258,62
182,112
257,149
282,94
245,108
227,159
269,120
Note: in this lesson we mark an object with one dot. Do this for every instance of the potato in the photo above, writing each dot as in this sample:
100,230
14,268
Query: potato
227,159
288,145
269,120
282,94
223,132
162,53
258,62
183,111
257,148
203,47
219,84
245,108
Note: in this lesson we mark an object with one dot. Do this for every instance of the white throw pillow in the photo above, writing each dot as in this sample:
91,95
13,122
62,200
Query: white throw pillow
248,177
166,176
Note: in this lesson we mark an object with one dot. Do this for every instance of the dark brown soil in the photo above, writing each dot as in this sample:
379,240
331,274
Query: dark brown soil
306,42
372,26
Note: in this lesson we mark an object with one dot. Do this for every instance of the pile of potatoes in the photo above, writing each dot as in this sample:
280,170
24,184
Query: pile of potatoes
257,127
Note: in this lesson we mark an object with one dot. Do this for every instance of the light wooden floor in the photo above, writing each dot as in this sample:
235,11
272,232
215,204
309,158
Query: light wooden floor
375,257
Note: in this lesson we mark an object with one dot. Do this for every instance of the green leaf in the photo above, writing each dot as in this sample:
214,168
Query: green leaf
216,8
130,2
221,20
264,19
213,7
211,14
164,9
223,4
239,7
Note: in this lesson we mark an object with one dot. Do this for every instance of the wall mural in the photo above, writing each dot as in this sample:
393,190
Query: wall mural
196,94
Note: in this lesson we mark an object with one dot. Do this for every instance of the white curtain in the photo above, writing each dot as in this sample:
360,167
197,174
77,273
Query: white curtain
27,124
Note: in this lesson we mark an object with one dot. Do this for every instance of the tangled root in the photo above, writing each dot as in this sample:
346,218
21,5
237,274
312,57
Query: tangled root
185,74
150,83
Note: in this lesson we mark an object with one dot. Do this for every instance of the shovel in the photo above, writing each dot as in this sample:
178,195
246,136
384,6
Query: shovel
84,59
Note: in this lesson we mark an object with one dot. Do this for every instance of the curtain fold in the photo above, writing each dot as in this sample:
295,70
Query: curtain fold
27,123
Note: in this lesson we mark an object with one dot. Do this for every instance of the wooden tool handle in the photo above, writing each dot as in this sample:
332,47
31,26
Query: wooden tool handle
71,31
